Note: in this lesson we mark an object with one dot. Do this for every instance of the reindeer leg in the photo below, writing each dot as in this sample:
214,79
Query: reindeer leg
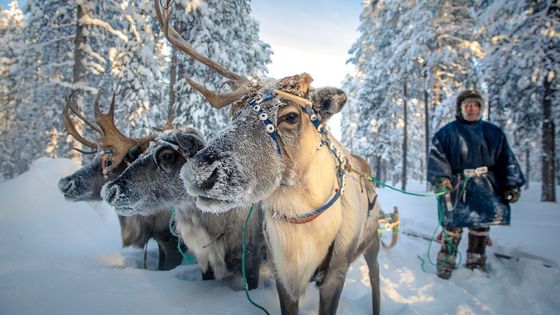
209,274
161,256
371,259
287,305
331,288
252,268
169,255
255,250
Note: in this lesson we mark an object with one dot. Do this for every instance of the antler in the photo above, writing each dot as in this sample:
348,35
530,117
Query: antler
71,129
216,100
168,124
111,138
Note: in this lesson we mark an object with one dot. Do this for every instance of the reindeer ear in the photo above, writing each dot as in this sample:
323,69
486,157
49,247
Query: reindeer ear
328,101
190,143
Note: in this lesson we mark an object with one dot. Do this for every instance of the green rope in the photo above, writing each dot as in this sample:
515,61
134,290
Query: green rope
187,259
245,285
450,246
438,192
422,263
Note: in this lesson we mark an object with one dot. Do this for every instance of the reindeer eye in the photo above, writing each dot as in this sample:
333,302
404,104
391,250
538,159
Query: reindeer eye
166,156
292,117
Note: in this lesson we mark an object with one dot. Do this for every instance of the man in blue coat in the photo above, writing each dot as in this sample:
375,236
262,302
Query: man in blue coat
472,159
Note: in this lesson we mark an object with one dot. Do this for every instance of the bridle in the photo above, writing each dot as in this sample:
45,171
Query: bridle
313,116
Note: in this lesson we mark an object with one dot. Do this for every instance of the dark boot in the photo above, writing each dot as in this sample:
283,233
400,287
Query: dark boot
476,253
446,256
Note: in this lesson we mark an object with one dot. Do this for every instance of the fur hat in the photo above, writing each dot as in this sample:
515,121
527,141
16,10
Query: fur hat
466,97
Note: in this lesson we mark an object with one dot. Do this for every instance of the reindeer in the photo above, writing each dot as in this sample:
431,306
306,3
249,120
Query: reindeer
85,184
152,183
318,215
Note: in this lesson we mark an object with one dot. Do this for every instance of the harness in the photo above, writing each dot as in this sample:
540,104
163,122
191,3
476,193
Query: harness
325,140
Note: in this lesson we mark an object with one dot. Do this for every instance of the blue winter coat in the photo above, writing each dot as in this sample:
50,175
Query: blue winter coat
464,145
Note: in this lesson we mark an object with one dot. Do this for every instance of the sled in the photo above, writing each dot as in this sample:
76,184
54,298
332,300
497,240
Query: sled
389,222
511,257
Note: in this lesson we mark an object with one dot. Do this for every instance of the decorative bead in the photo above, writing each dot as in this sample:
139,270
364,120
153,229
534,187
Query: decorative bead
313,117
257,107
269,128
263,116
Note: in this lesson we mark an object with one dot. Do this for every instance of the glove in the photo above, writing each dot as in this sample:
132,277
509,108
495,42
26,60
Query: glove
443,182
511,194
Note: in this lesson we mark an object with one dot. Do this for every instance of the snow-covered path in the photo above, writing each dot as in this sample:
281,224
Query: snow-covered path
65,258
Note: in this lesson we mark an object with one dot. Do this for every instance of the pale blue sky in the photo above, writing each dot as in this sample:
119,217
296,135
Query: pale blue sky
4,3
310,36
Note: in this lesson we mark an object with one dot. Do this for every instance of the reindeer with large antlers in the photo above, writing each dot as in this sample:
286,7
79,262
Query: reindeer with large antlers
318,215
152,183
86,183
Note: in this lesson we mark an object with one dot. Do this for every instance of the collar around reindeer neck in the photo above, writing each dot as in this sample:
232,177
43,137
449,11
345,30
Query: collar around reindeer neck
325,140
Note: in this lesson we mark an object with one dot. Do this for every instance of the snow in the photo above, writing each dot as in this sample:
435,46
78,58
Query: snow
58,257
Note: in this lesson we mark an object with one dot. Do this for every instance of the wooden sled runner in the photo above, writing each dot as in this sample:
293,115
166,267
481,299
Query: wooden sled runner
389,222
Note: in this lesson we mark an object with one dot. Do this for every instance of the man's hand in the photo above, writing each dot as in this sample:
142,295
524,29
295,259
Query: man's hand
511,194
443,182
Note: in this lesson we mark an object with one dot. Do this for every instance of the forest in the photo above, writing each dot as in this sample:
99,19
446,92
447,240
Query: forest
414,57
411,59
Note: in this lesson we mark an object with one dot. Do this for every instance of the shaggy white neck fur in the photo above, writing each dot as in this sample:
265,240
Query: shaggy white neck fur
298,249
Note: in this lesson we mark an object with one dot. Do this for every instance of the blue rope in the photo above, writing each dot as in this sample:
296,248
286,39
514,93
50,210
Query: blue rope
315,213
245,285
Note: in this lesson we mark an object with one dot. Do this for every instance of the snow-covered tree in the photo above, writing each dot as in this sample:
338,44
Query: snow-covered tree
103,47
11,26
424,45
88,47
225,32
521,69
137,65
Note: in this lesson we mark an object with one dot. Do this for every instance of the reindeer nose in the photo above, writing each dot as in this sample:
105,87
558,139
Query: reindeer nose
210,181
112,194
65,185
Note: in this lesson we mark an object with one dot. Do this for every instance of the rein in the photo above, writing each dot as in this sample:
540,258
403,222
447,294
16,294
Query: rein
325,140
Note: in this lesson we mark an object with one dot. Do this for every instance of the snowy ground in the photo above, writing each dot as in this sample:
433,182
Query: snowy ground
58,257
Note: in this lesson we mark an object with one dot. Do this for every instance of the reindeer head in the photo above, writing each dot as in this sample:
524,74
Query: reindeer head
270,140
152,182
112,149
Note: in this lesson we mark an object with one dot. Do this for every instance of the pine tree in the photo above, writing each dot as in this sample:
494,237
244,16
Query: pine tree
136,70
521,68
430,47
44,74
88,47
226,33
11,27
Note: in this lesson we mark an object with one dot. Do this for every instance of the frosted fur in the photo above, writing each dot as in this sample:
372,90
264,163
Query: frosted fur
233,187
146,188
86,184
295,182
